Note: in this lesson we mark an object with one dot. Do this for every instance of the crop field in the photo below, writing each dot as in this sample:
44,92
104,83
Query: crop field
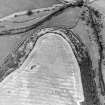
52,52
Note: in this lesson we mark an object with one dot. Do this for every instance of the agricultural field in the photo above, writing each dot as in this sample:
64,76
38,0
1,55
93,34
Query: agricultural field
52,52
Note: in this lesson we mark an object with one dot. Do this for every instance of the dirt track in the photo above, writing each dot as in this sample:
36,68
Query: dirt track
10,6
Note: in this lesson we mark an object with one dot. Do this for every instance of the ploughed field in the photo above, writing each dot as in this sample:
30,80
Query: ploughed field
49,76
